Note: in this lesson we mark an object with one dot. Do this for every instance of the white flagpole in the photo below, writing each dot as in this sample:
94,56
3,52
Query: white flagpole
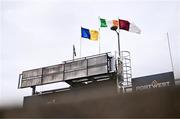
80,47
170,52
99,42
80,44
99,35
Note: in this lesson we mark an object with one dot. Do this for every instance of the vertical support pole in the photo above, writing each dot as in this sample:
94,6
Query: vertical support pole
119,74
99,34
170,52
99,42
33,90
20,77
42,75
73,53
64,70
119,50
80,46
87,67
80,42
119,70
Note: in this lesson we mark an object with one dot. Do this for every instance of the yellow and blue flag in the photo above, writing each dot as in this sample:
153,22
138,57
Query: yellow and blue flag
89,34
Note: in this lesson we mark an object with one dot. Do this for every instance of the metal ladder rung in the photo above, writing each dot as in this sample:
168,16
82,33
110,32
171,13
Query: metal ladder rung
127,75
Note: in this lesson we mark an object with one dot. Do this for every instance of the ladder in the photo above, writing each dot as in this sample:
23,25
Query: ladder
124,72
127,70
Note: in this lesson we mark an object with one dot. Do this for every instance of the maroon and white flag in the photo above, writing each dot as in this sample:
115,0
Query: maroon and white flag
126,25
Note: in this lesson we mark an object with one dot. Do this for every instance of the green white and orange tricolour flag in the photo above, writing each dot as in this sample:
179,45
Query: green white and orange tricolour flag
122,24
108,23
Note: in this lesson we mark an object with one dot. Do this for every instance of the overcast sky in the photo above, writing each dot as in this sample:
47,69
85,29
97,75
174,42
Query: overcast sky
38,33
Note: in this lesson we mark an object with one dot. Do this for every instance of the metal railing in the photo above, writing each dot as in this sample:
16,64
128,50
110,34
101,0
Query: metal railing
124,71
127,70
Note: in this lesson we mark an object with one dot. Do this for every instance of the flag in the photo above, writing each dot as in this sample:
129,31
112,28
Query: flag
122,24
94,35
108,23
126,25
89,34
74,51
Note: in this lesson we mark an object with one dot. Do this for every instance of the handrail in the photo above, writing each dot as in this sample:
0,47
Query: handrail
61,69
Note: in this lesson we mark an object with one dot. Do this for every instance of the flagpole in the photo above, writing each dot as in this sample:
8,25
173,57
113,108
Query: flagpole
170,52
119,45
73,52
120,68
99,42
116,29
99,35
80,47
120,62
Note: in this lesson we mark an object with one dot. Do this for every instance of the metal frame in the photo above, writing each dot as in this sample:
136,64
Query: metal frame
64,71
127,71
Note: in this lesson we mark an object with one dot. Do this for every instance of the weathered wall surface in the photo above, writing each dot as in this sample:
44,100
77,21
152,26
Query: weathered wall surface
100,100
